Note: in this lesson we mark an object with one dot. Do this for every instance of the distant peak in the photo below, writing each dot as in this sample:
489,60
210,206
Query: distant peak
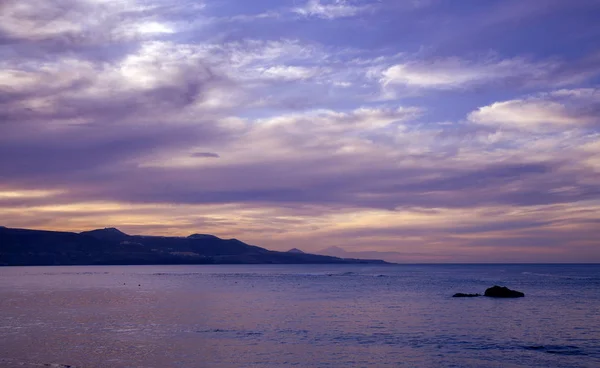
113,230
295,250
202,236
106,233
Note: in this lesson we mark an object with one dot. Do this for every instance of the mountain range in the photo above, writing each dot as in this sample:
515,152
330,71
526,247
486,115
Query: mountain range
110,246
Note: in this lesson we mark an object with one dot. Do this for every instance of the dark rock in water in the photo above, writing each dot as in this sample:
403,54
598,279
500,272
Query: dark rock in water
503,292
462,295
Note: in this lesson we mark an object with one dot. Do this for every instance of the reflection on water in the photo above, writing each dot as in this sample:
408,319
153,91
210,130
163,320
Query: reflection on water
272,316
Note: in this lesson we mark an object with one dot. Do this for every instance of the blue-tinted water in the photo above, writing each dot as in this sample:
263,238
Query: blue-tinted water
306,316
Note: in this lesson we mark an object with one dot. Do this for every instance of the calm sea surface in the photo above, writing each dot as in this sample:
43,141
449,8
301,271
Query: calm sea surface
305,316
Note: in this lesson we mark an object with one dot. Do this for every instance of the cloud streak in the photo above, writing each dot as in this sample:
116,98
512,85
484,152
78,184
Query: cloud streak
456,73
327,9
558,110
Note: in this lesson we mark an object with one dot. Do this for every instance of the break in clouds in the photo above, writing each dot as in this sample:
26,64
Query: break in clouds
308,124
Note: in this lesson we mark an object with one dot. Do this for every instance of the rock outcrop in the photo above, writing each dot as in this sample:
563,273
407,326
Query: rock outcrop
493,292
503,292
462,295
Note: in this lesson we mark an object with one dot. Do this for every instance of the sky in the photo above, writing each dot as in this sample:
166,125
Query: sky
431,130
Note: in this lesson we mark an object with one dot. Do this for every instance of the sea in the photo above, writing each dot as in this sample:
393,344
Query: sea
299,316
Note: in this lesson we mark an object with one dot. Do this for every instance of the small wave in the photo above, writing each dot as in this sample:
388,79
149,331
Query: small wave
232,333
538,274
213,330
293,331
30,364
349,273
556,349
126,330
557,276
74,273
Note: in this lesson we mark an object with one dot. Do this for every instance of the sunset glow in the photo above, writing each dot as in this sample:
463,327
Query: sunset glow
435,131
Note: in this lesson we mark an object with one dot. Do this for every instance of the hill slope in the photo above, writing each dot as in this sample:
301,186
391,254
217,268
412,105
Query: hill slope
387,256
21,247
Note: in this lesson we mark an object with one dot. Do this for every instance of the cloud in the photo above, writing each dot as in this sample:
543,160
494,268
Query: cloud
205,154
142,85
559,110
80,153
330,9
289,73
457,73
525,114
249,17
60,25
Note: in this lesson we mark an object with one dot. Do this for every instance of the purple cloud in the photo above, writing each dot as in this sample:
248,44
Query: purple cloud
206,154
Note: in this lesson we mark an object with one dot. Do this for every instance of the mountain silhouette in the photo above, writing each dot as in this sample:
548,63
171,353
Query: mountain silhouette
109,233
110,246
342,253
